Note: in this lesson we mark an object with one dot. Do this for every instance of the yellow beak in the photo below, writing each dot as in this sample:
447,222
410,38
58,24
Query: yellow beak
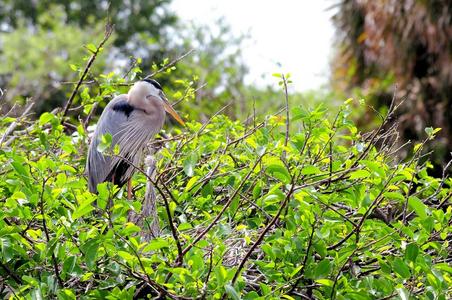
169,109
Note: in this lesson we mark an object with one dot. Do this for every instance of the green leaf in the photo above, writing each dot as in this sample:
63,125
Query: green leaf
403,293
90,250
46,118
130,228
91,47
257,191
411,252
156,244
66,294
126,256
103,195
322,269
190,164
401,268
191,183
278,170
5,248
69,264
394,195
82,210
358,174
418,206
310,170
325,282
105,142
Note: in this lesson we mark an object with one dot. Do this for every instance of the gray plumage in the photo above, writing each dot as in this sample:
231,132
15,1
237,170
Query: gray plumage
132,120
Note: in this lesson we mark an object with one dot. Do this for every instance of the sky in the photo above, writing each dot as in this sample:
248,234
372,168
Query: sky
289,36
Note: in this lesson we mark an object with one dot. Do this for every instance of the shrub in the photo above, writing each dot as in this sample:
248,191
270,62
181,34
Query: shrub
247,211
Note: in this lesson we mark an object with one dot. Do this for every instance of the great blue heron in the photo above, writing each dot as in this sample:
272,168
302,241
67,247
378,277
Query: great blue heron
132,120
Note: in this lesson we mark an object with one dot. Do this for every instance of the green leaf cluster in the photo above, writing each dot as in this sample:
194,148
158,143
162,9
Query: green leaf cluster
333,214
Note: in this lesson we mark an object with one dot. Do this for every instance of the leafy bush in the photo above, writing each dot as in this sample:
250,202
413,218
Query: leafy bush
247,211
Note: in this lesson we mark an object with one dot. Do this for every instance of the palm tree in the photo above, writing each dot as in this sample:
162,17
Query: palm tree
403,42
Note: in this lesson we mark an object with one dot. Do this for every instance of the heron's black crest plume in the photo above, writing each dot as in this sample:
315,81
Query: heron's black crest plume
154,83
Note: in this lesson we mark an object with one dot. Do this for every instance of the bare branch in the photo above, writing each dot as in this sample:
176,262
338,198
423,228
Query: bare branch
172,63
14,124
108,31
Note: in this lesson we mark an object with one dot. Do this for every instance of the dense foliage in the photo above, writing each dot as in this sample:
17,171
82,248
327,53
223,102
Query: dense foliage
298,208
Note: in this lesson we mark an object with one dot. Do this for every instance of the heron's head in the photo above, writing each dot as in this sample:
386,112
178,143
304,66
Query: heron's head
148,96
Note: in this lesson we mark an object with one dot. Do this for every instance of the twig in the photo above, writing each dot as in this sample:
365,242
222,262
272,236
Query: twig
133,61
46,231
185,94
14,124
301,271
108,32
225,206
286,140
90,114
172,63
152,283
180,255
173,229
263,233
11,273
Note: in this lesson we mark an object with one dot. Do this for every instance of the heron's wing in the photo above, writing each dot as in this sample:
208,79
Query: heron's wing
131,129
99,167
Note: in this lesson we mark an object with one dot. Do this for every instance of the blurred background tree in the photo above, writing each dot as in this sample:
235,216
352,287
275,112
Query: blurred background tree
40,39
405,43
42,45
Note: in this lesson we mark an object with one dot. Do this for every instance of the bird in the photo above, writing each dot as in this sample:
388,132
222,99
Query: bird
132,120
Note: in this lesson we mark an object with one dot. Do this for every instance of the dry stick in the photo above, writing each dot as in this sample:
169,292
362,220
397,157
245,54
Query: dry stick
172,63
14,124
108,32
373,136
46,231
203,296
226,205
